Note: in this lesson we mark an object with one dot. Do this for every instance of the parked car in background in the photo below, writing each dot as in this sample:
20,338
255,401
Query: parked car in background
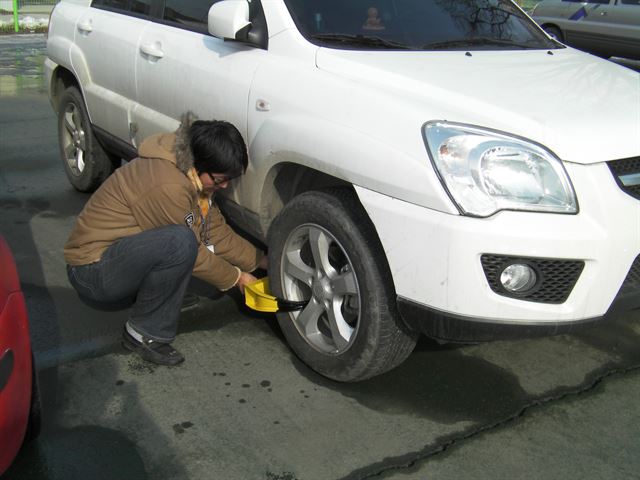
19,402
609,28
421,166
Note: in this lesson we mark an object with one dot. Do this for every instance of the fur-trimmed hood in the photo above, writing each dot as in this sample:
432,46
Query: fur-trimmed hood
173,147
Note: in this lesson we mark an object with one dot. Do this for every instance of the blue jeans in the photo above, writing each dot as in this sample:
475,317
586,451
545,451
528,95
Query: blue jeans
148,271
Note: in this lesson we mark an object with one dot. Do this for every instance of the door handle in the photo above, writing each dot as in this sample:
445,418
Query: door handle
602,14
85,26
152,49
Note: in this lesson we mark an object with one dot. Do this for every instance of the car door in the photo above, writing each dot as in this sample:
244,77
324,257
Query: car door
181,67
626,15
107,34
588,26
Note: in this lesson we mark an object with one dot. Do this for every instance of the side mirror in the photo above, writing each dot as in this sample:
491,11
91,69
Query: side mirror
229,19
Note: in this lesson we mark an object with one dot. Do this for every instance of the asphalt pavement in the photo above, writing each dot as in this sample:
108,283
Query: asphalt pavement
242,407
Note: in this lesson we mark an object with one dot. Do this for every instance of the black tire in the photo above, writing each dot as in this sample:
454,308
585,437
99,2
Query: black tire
353,263
554,32
85,162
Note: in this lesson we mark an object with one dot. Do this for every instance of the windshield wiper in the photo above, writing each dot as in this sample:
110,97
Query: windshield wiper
477,41
360,40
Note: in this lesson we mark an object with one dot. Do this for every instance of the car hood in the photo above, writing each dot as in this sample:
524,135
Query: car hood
583,108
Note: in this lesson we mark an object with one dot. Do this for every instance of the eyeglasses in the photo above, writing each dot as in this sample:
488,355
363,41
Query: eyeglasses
219,179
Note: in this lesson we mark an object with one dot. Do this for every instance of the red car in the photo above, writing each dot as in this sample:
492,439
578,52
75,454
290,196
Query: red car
17,386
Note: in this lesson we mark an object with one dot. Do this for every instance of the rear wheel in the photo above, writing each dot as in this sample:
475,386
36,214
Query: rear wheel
86,163
324,249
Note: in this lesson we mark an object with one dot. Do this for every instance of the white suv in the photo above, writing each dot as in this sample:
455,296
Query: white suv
417,166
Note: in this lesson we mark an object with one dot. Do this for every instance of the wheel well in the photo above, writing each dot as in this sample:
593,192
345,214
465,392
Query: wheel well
60,81
544,26
288,180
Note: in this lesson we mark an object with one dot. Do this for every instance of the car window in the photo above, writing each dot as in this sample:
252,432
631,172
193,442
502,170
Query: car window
188,14
140,7
417,24
630,2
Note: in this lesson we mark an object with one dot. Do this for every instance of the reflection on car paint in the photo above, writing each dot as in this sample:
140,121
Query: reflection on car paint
579,15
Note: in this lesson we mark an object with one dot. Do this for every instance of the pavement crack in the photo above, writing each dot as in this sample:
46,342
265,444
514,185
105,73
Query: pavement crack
443,444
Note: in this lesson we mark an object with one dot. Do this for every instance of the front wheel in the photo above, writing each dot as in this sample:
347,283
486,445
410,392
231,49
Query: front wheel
554,33
86,163
323,249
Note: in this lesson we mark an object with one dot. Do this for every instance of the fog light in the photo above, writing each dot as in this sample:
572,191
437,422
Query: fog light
518,278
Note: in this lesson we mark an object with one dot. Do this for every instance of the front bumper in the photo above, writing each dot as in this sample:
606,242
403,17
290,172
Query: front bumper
454,328
435,258
447,327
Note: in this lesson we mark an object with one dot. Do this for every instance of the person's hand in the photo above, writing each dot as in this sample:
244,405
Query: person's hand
245,278
264,263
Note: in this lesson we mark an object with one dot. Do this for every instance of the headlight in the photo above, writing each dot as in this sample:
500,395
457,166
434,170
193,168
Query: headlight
485,171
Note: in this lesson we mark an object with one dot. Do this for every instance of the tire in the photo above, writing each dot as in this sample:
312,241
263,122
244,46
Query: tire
554,33
351,329
86,163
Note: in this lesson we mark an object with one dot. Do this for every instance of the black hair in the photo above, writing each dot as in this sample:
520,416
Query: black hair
218,147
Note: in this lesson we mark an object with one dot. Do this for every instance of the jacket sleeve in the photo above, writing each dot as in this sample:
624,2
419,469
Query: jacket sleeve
169,205
229,245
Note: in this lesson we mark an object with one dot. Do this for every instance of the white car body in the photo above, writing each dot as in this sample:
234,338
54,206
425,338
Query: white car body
358,116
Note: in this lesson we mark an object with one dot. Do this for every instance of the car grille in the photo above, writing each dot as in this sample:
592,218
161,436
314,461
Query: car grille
631,284
627,175
556,278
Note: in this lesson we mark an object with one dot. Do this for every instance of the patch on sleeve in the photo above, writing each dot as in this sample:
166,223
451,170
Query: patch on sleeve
189,219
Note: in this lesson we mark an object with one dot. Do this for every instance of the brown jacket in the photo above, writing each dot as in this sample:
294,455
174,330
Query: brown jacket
152,191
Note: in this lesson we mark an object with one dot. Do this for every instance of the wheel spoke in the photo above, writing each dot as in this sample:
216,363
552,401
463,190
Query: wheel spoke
340,331
320,243
308,318
82,141
296,268
80,160
74,115
68,123
70,154
345,284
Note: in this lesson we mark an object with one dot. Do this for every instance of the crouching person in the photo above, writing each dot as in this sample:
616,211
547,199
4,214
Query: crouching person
154,223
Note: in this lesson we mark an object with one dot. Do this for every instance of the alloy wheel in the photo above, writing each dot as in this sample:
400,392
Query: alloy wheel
74,139
315,267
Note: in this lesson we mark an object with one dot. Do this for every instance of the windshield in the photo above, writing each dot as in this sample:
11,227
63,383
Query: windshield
417,24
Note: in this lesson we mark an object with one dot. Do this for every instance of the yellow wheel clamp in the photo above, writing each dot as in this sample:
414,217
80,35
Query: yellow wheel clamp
257,297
